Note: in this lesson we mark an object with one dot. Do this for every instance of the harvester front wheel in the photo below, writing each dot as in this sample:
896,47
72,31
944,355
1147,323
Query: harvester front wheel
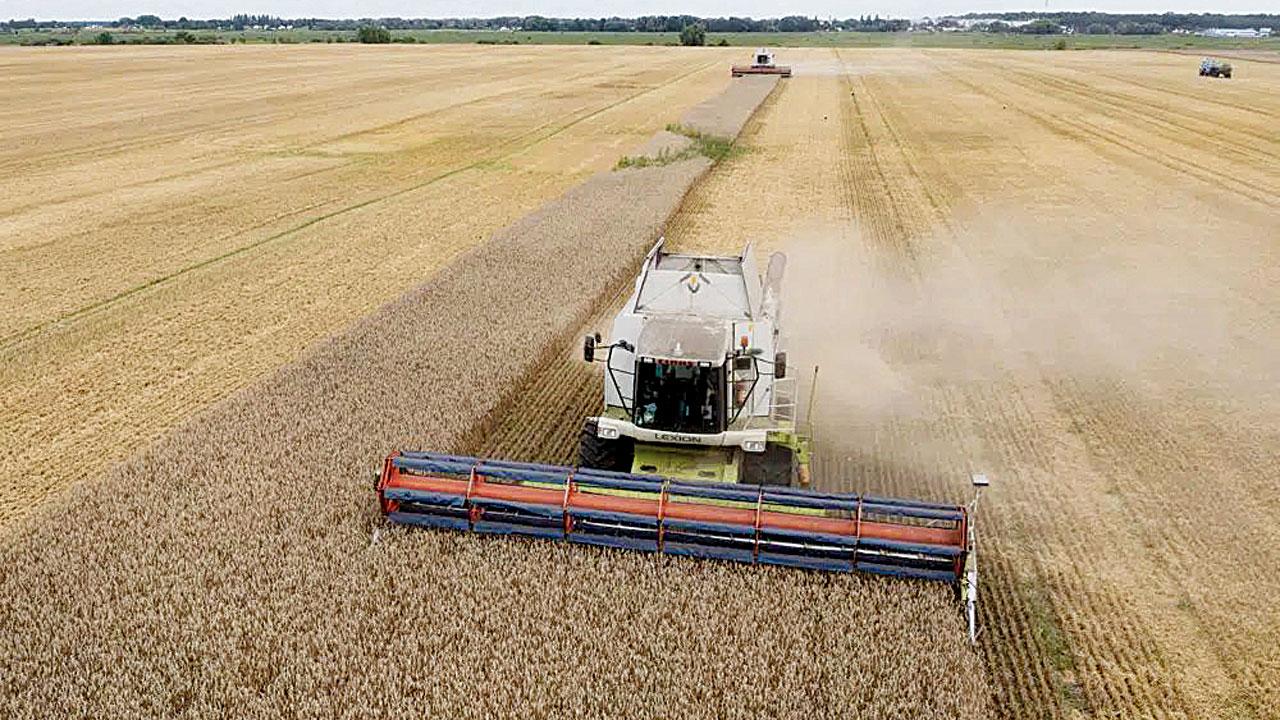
598,453
775,466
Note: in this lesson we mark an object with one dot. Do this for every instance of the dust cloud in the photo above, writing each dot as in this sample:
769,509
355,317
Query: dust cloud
878,337
1011,300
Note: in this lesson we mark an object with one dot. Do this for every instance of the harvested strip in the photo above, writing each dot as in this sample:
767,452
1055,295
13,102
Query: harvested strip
308,187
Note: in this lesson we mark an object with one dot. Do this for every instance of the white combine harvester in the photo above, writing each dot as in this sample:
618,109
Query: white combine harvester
692,451
762,63
696,382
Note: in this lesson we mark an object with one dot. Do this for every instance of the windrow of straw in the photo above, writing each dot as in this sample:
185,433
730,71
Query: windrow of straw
231,571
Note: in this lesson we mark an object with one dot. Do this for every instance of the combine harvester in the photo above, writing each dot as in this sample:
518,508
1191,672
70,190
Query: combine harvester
697,451
761,64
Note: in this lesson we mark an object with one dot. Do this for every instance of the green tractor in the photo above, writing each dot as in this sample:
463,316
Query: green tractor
1212,67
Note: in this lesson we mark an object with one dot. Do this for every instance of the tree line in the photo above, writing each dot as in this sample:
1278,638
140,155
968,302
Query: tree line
528,23
1042,23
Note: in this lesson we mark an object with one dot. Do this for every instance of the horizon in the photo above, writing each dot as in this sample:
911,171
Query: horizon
111,10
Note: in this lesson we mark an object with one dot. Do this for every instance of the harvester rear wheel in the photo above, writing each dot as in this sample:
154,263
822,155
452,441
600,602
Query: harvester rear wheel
599,454
775,466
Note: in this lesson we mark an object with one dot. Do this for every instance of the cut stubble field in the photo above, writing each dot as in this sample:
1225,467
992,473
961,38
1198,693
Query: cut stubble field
1060,270
1057,268
176,223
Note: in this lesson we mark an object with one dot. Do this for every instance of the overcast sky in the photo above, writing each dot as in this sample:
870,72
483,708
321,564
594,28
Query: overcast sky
110,9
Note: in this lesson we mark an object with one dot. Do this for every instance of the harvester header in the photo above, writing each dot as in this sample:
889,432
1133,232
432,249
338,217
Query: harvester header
836,532
697,449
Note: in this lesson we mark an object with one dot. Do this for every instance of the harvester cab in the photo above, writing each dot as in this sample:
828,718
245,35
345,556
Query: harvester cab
696,383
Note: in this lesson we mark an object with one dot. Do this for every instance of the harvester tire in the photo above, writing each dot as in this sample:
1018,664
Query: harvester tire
599,454
775,466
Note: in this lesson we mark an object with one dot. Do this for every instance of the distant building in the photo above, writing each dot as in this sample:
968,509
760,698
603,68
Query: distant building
968,23
1236,33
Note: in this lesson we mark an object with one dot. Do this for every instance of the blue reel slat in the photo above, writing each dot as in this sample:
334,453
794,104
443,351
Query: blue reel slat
941,551
826,564
614,517
906,571
701,550
906,502
839,504
430,520
620,542
911,512
714,540
505,521
797,536
614,474
488,505
733,493
616,532
425,497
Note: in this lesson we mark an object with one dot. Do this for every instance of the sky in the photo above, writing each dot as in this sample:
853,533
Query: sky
111,9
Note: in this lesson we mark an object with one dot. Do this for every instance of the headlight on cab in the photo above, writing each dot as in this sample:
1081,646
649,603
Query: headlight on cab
607,433
753,446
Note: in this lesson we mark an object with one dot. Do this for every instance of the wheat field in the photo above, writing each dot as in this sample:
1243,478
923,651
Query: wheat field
178,222
249,575
1061,270
1057,268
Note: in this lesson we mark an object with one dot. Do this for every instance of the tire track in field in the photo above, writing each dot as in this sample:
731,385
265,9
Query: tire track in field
1054,659
1022,634
1166,125
266,119
1144,459
532,91
22,336
1131,153
1170,113
265,86
865,180
927,175
1196,97
1093,667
